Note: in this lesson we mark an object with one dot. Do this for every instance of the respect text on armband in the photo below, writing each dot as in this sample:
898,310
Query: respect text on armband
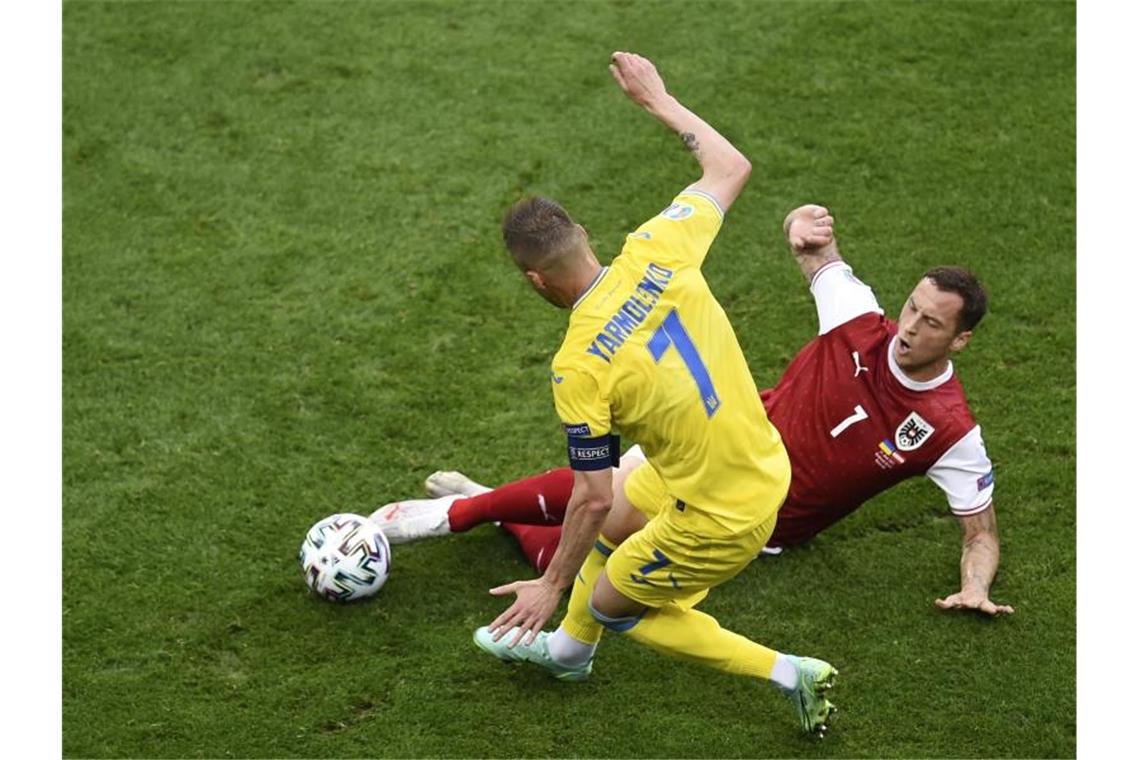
632,313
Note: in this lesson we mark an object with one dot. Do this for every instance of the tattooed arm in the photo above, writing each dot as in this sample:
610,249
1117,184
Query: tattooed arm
725,169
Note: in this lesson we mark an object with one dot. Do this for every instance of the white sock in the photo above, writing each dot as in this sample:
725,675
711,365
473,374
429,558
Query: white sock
567,650
376,516
784,672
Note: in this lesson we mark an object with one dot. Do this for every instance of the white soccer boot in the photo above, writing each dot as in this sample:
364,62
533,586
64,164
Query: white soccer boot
406,521
538,652
446,482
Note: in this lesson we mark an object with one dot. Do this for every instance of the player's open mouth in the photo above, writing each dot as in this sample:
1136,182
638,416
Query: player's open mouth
904,347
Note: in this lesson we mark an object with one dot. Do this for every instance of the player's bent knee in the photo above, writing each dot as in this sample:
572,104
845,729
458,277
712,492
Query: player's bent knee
615,624
613,609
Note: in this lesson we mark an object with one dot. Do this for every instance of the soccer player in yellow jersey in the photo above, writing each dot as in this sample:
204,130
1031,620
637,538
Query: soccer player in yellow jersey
650,353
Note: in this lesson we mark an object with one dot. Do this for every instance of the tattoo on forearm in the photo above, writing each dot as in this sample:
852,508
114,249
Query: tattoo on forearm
690,141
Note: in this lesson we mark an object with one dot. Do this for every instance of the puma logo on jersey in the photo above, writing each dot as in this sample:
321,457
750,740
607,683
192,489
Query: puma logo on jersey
858,367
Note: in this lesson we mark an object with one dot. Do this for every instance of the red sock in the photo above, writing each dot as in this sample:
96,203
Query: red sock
537,500
538,542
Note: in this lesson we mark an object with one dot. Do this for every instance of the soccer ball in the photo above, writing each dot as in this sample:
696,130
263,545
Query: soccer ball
345,557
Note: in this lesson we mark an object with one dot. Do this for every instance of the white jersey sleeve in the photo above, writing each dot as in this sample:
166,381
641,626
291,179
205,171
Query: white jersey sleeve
840,296
966,475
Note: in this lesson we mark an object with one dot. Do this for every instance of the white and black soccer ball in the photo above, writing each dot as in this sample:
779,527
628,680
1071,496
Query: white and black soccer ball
345,557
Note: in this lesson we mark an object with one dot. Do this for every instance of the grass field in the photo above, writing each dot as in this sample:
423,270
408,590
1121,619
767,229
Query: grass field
285,295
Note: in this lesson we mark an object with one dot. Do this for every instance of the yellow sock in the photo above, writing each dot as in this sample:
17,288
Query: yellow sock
692,635
578,622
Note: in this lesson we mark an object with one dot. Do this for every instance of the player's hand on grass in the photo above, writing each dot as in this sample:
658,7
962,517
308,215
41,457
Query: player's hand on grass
973,599
535,601
638,78
809,227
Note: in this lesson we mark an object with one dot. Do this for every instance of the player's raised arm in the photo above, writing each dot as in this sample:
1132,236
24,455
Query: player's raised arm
725,169
811,236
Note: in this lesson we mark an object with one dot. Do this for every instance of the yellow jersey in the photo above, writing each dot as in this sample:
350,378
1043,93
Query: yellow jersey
649,353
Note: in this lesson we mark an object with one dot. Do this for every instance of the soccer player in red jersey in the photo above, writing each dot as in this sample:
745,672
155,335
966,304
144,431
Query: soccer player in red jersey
867,404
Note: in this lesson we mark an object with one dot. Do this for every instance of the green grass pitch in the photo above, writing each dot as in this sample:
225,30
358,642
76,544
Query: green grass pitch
285,296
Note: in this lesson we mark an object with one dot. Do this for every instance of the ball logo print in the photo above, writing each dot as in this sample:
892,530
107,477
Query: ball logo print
344,558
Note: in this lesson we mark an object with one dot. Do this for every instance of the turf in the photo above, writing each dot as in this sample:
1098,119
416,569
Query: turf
285,296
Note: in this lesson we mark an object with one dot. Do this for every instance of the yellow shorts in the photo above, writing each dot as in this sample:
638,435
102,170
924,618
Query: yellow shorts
680,554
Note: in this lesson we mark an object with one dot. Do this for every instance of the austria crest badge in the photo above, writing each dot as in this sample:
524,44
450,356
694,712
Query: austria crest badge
913,432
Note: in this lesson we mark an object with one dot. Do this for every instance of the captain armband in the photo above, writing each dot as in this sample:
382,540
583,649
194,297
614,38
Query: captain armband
589,454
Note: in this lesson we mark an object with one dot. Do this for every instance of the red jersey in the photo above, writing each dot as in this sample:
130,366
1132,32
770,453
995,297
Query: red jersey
854,424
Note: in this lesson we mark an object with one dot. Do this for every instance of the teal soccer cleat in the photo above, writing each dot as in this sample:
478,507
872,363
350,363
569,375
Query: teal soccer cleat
809,696
536,652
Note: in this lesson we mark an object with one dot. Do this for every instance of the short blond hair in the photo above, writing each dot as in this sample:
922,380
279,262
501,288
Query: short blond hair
540,234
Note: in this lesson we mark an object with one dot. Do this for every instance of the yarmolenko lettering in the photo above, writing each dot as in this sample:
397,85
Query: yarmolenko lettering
632,313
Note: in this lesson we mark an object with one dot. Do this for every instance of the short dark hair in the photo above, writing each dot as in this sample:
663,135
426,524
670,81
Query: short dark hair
535,229
964,283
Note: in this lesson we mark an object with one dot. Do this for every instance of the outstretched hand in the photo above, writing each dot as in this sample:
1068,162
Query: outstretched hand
809,227
637,77
973,600
535,601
